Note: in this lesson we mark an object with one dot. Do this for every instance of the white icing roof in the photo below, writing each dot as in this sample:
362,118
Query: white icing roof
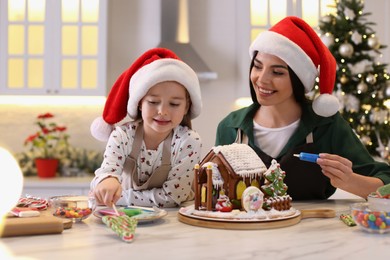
242,158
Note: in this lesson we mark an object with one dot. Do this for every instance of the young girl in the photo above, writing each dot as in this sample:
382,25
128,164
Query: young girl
281,122
149,160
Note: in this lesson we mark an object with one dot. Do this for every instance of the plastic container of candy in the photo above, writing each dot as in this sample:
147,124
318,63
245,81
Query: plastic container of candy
374,221
75,207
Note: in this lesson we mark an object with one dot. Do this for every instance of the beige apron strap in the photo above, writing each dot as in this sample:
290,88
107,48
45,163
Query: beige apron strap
241,138
130,165
159,176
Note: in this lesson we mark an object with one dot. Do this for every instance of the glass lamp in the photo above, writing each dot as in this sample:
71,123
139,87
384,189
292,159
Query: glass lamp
12,183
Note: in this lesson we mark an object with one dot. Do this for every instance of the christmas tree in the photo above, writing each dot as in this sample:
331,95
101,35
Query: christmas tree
362,83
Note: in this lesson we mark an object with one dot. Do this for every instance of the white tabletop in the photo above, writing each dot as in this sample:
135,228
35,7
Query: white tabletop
169,238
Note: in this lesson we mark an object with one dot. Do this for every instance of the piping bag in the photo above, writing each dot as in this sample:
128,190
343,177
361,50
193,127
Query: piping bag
308,157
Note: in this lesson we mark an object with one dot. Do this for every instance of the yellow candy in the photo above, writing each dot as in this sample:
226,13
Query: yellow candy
383,225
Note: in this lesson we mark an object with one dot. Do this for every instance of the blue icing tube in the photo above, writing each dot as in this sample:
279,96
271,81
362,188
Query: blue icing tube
309,157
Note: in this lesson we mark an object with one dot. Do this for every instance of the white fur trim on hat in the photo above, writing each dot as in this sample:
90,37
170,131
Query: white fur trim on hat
159,71
100,129
326,105
282,47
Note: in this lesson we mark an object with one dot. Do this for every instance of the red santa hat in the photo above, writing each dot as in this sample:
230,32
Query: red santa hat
154,66
297,44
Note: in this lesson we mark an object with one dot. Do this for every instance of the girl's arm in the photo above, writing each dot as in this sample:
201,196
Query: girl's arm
114,159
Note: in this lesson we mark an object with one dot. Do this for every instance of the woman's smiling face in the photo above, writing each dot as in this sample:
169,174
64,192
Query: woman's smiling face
271,80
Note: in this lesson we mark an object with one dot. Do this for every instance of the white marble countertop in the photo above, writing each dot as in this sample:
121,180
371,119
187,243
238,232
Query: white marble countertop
169,238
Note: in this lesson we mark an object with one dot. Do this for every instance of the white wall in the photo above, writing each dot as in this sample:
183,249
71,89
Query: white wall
216,32
380,14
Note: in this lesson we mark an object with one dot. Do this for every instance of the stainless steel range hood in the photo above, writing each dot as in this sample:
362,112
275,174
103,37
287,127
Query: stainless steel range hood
175,36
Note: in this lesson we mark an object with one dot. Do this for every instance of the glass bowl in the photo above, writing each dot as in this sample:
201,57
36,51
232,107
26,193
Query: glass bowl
378,204
370,220
75,207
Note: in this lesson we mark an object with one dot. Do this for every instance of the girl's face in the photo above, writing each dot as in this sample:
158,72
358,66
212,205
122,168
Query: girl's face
164,106
271,80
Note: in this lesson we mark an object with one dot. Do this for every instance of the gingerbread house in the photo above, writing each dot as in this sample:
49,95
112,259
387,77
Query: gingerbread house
231,168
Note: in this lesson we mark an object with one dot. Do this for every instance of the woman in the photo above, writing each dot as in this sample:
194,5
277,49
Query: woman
282,122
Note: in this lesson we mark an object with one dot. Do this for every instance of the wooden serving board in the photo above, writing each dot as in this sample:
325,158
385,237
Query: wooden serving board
261,224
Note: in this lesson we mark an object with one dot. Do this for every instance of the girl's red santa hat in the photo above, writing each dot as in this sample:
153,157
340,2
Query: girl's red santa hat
154,66
297,44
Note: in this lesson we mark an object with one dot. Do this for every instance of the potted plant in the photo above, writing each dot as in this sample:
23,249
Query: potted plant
46,144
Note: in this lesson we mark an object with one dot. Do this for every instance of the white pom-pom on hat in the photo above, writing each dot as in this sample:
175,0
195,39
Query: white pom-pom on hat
100,129
326,105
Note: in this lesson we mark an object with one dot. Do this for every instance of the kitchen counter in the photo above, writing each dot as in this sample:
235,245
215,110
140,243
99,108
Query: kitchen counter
168,238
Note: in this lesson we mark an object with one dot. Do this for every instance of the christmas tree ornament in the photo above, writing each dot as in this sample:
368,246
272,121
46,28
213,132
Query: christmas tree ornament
387,91
327,39
326,19
352,103
373,42
344,79
349,14
382,150
365,139
356,37
370,79
362,87
346,50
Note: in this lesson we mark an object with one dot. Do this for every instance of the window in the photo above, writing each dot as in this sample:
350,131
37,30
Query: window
265,13
53,47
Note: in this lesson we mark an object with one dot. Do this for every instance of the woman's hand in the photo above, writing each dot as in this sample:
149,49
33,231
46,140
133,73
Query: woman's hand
108,191
339,170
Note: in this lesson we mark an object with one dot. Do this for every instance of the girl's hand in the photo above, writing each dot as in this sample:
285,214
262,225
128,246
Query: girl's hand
108,191
338,169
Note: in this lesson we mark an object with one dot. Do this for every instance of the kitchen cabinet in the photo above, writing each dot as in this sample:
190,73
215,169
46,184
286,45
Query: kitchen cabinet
48,187
53,47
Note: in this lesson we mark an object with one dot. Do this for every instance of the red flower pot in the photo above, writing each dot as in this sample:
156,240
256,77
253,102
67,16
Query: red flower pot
46,168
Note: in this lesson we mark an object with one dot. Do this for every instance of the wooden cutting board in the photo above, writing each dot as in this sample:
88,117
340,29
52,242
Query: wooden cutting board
16,226
277,223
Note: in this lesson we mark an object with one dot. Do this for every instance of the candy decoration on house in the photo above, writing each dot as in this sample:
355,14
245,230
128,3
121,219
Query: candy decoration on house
362,81
223,202
274,184
274,188
252,199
